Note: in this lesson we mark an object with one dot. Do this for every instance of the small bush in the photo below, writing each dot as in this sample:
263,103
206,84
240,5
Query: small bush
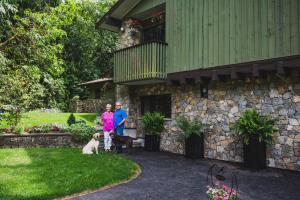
18,130
153,123
80,121
190,127
64,129
252,123
71,119
82,132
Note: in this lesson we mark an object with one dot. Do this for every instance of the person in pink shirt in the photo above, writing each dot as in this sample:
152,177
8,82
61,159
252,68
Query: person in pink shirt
107,123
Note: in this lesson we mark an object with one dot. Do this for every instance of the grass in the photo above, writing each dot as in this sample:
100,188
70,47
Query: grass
30,119
45,173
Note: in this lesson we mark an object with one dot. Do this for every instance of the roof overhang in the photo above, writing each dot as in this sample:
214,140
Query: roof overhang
112,20
102,80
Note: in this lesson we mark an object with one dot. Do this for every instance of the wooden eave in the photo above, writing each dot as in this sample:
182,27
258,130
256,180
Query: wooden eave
112,20
280,66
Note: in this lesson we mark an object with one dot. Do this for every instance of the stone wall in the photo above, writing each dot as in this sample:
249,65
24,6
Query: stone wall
278,97
38,140
90,105
129,34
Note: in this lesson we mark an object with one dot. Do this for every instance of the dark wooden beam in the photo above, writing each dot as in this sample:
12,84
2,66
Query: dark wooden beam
255,70
233,73
215,76
280,68
112,21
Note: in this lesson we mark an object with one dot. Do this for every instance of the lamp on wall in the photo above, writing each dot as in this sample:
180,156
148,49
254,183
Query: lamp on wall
204,90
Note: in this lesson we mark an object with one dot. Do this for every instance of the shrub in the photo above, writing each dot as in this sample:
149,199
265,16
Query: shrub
190,127
71,119
80,121
252,123
64,129
153,123
82,132
44,128
18,130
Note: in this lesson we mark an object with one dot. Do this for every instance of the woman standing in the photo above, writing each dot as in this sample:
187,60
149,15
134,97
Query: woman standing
107,123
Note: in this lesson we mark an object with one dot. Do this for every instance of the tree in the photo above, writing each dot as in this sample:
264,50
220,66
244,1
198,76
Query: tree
88,51
32,64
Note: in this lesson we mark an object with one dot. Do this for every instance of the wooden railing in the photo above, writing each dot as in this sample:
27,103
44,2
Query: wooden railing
141,62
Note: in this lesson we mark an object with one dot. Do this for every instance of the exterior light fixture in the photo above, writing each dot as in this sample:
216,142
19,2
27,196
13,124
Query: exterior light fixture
204,91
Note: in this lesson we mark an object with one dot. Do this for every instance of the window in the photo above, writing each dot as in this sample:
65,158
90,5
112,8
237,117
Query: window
156,103
154,33
97,93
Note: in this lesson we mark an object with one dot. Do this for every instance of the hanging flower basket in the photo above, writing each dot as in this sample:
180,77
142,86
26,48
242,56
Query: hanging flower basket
222,184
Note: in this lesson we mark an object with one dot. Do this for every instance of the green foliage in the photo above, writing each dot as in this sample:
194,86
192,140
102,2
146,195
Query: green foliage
82,132
190,127
153,123
252,123
47,48
87,51
18,130
71,120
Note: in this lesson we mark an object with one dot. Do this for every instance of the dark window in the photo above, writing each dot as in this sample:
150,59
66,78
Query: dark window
154,33
156,103
97,93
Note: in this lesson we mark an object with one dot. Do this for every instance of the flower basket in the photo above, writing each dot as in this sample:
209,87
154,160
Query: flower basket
222,184
221,192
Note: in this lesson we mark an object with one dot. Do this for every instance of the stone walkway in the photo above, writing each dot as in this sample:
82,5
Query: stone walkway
172,177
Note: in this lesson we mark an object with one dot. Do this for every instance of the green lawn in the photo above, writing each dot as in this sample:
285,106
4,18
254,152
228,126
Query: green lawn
36,118
45,173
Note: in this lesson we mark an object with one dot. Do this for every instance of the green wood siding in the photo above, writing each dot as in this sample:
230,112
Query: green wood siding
145,5
208,33
140,62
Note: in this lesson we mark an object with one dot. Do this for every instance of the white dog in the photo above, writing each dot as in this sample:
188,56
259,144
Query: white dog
92,145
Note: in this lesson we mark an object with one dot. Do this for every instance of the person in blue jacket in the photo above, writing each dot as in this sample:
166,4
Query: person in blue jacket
119,122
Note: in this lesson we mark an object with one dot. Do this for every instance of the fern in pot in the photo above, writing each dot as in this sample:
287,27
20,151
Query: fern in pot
256,131
193,131
153,126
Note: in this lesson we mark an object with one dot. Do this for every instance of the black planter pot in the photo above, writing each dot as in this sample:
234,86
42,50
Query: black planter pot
255,154
194,146
152,142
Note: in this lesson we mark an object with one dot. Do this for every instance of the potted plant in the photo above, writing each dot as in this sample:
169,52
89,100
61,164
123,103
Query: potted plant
194,140
256,132
153,125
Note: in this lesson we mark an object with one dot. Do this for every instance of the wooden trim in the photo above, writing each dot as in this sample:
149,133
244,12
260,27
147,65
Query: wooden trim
138,45
240,70
113,8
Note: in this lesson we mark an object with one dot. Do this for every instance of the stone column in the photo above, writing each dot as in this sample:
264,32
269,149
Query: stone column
129,34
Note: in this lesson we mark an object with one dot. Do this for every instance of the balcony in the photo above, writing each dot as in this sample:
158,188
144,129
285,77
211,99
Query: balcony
142,63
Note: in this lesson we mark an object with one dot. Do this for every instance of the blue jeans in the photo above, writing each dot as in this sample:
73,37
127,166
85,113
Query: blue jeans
119,131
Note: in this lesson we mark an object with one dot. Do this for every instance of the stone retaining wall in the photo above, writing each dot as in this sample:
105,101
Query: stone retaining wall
278,97
38,140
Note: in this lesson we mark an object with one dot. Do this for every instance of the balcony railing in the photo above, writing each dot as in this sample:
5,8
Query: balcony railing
141,62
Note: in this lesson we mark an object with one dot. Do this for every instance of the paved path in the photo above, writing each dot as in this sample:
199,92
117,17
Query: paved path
172,177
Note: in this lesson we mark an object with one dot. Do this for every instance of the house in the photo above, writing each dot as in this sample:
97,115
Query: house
211,59
100,92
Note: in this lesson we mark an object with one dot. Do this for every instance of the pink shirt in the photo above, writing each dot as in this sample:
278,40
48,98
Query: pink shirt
108,121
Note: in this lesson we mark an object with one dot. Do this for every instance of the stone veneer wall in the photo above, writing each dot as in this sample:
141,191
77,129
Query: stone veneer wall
130,35
277,97
90,105
38,140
